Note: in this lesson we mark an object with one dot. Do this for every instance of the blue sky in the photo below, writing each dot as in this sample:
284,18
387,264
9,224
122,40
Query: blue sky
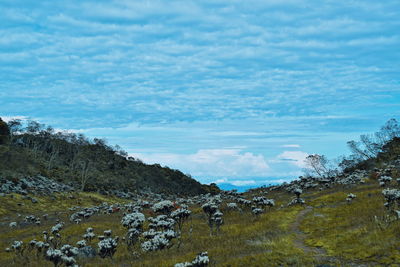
234,91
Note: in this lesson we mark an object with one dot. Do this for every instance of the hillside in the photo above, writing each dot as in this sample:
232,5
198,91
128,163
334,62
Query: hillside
87,165
327,229
349,219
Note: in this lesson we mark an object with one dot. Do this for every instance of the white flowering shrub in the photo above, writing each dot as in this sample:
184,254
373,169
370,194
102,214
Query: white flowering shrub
69,250
259,201
384,180
244,202
56,228
150,233
397,213
107,247
133,220
41,246
32,243
132,236
262,202
201,260
232,206
54,255
69,261
107,233
62,256
180,216
45,235
296,201
350,197
163,207
30,218
161,222
18,247
217,220
270,202
217,199
81,243
65,255
392,197
158,240
209,208
89,235
298,192
256,211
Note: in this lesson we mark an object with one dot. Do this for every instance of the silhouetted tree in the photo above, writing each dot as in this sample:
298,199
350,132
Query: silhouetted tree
4,132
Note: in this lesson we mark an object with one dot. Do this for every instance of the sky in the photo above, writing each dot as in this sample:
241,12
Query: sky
235,92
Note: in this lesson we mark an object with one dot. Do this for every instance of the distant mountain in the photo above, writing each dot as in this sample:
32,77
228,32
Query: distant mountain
239,188
32,149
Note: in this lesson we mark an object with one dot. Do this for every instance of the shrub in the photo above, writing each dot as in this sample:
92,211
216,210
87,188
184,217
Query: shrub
201,260
107,247
163,207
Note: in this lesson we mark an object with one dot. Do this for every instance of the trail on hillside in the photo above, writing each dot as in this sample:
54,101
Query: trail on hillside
299,242
320,254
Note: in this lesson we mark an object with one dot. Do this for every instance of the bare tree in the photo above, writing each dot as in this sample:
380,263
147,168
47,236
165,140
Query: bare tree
54,152
390,130
358,151
319,165
370,146
15,127
86,165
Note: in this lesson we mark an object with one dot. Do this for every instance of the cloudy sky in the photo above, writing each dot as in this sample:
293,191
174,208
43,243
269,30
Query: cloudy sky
234,91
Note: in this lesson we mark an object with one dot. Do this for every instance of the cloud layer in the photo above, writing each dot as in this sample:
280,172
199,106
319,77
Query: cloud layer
251,78
211,163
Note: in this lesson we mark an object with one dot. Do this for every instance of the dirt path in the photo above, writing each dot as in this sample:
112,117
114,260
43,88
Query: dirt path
320,254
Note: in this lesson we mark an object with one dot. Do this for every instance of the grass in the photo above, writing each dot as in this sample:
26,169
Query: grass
354,231
345,231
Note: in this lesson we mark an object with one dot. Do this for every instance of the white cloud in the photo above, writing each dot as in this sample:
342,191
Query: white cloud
8,118
291,146
212,163
293,157
238,133
243,182
236,182
221,181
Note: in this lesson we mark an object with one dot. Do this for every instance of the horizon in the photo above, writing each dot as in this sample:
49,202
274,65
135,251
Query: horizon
229,92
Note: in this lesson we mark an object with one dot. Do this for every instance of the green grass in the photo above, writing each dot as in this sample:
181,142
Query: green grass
351,231
347,232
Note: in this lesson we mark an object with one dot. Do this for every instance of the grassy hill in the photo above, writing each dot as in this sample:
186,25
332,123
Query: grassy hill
88,165
326,230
